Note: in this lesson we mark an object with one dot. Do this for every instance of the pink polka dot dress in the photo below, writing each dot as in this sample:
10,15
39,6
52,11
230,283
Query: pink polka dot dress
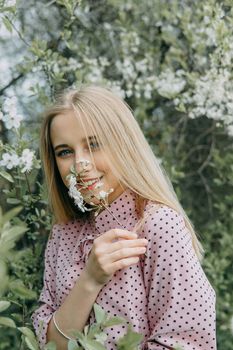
165,296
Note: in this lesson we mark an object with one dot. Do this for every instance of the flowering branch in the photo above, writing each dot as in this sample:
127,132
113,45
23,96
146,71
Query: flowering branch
76,179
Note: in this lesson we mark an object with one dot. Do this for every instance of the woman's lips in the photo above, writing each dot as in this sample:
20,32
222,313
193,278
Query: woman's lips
92,184
91,187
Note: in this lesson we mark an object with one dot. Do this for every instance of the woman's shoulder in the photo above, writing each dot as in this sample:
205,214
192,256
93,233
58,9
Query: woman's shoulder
155,210
165,229
161,217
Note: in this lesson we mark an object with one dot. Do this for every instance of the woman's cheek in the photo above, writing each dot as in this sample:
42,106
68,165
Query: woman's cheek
64,171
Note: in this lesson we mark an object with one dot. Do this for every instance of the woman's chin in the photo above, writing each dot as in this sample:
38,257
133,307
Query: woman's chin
91,198
93,202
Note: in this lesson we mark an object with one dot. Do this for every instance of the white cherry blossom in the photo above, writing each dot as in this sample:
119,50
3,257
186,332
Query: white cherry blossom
26,160
75,194
169,84
10,160
11,117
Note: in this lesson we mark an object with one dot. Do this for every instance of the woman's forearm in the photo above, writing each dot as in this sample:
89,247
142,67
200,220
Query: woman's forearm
75,310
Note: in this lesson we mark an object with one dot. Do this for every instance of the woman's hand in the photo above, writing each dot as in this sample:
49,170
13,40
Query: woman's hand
112,251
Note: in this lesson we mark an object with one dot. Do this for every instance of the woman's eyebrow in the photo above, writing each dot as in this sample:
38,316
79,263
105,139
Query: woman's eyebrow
83,140
60,146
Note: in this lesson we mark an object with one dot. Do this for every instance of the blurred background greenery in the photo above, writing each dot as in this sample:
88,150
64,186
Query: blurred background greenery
172,62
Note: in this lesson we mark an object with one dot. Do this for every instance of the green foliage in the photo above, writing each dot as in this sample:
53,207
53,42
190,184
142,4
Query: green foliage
130,341
172,61
11,230
29,338
94,337
9,235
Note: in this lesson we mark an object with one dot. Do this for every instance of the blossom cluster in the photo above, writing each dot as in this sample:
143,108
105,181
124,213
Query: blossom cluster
11,117
75,194
211,96
135,76
24,159
25,162
9,3
169,84
76,184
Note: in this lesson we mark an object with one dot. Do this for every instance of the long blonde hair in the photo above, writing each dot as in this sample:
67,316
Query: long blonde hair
129,154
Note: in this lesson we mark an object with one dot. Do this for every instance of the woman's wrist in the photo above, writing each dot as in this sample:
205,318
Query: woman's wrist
89,283
82,296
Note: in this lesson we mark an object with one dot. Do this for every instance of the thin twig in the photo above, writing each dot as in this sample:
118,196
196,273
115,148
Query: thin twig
17,31
194,149
206,162
49,80
208,190
113,215
103,204
28,185
183,121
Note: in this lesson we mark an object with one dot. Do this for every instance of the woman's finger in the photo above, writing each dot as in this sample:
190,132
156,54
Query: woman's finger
123,243
126,253
123,263
116,234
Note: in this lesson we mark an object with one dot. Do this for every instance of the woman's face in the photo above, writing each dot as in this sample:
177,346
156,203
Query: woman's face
71,148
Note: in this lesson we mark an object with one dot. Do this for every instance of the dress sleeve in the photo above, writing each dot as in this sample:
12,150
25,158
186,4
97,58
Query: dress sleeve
180,300
43,314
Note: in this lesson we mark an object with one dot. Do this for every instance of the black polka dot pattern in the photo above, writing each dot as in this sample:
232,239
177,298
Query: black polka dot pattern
166,296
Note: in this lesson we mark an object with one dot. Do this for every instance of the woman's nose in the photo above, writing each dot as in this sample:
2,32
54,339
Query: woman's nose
82,165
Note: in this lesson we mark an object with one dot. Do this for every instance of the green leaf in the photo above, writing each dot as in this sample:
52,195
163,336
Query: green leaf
9,237
7,24
13,201
11,9
33,345
77,334
27,332
93,330
89,344
13,233
113,321
4,305
6,176
86,328
181,108
50,346
100,314
20,290
130,341
72,345
101,337
8,322
11,214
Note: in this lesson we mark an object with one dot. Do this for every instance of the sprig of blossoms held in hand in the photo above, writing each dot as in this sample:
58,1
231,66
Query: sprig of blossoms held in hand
25,161
75,181
75,194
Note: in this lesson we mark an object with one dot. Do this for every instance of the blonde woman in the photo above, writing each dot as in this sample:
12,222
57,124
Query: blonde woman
120,238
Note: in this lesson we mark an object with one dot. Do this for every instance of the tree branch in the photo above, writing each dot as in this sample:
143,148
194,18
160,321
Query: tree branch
12,82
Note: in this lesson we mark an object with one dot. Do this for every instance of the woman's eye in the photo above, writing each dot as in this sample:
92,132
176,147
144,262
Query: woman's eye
64,152
94,145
